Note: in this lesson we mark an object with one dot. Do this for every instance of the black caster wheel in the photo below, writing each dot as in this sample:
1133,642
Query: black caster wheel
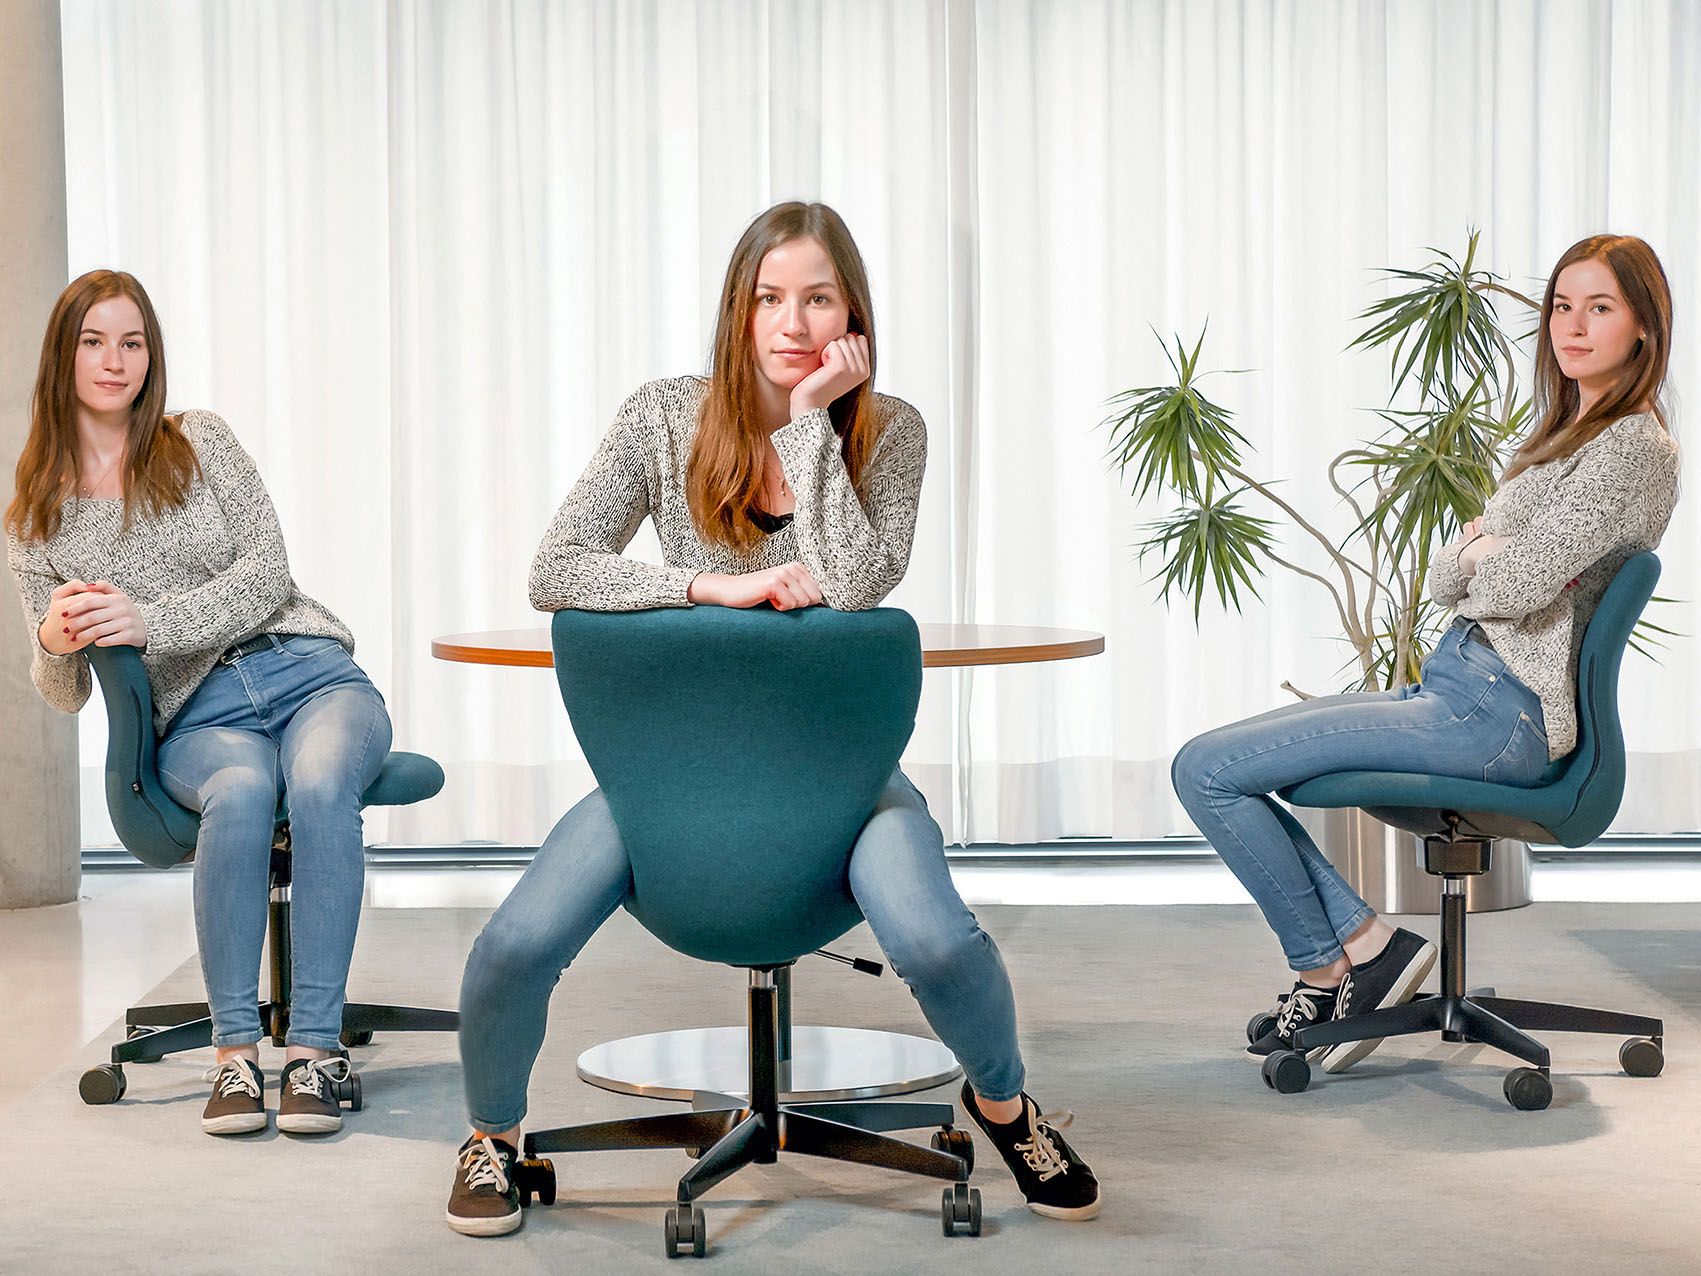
957,1143
535,1177
1528,1089
680,1230
959,1210
1261,1024
1287,1072
104,1084
348,1091
352,1037
1642,1057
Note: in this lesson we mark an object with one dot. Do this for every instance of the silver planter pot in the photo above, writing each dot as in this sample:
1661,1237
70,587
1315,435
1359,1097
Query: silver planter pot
1381,863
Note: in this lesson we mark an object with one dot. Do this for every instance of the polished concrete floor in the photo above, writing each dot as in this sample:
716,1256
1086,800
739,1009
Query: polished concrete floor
67,972
1411,1163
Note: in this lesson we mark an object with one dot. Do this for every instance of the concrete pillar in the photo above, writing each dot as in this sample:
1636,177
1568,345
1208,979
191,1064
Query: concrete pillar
40,840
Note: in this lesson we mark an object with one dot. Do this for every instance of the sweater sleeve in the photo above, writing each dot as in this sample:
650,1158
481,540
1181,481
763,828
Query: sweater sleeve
1447,584
857,549
62,680
1582,520
236,601
579,564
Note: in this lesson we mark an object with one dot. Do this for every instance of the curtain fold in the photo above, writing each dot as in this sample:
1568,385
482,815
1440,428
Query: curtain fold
417,254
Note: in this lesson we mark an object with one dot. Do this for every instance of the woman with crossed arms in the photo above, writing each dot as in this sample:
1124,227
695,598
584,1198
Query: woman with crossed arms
1592,485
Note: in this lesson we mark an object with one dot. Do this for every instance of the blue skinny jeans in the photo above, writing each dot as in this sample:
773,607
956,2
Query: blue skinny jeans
298,717
898,876
1468,718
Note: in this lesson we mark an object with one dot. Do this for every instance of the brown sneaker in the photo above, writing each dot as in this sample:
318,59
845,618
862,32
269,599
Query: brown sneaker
484,1200
307,1096
238,1105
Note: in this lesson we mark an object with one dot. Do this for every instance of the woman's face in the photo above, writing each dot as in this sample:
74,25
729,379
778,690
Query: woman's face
799,308
112,357
1592,329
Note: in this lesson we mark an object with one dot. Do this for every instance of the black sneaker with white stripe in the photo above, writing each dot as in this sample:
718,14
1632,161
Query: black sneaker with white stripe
1054,1179
1391,978
1304,1006
484,1200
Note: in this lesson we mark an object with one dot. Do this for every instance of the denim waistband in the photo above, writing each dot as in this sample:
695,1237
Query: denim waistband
1473,631
248,646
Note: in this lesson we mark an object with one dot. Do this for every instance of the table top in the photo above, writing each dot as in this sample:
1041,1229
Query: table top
942,646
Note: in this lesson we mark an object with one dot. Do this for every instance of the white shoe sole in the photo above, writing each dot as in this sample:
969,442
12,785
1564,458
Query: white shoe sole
500,1225
1343,1056
235,1123
1078,1214
309,1123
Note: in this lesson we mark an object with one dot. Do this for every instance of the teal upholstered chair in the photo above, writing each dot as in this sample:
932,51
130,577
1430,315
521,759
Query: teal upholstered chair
741,752
160,833
1571,806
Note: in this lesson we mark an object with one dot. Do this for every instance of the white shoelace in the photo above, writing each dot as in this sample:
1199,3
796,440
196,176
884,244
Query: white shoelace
481,1164
1344,998
1040,1152
1301,1000
232,1076
311,1078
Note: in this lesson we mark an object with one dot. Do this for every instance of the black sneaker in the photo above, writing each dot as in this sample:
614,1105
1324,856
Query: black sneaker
1304,1006
1391,978
238,1105
1054,1179
484,1200
307,1097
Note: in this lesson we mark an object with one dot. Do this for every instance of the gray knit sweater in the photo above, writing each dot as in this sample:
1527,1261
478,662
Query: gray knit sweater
1573,524
857,548
204,575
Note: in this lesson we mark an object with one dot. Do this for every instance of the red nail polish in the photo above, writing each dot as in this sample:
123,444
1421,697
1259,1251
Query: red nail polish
67,629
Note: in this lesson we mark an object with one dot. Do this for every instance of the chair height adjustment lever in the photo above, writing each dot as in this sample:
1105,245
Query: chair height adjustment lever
857,963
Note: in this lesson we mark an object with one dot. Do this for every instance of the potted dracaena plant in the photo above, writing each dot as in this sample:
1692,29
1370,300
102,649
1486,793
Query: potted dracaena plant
1409,490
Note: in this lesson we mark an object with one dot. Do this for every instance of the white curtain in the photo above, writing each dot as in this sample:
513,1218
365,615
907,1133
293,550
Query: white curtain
417,253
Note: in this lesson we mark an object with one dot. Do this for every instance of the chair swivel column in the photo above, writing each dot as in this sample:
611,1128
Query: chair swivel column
275,1011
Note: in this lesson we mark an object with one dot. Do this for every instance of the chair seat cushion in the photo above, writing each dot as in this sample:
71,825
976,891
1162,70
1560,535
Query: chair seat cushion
1416,802
405,779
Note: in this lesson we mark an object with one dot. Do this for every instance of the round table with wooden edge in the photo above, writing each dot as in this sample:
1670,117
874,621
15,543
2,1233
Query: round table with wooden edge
818,1064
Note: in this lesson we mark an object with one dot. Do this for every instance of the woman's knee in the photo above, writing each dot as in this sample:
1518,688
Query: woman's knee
1194,763
506,956
240,793
931,955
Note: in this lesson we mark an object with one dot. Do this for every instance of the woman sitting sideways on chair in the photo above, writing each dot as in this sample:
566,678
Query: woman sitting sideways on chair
130,527
782,478
1592,485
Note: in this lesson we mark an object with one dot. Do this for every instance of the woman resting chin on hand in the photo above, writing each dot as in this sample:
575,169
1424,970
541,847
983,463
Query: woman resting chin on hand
780,479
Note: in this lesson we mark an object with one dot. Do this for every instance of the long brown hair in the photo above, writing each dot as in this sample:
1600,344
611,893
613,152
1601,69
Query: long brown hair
158,465
724,479
1560,430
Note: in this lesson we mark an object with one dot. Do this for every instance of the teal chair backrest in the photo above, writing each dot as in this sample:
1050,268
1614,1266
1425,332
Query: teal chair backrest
1592,778
153,827
740,752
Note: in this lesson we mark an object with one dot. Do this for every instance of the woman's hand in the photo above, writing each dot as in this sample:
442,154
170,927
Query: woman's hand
1478,549
844,366
1468,533
786,587
101,614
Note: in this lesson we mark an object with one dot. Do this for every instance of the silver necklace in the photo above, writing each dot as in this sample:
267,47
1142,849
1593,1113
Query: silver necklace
89,488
